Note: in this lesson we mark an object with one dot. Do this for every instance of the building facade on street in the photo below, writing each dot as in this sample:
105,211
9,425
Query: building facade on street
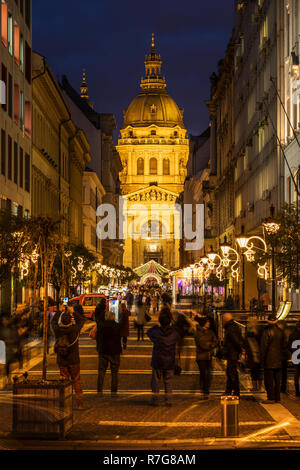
60,155
247,120
105,161
15,117
153,148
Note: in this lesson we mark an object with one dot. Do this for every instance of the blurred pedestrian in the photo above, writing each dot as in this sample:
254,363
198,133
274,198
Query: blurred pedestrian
295,336
109,349
285,356
206,341
140,319
252,348
272,353
9,334
124,315
164,339
129,300
233,348
67,325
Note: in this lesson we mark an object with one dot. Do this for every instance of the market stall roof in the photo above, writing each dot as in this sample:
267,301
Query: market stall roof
151,268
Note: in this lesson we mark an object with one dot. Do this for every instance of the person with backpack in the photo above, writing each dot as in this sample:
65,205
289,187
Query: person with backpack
164,339
272,349
206,341
66,325
232,350
109,350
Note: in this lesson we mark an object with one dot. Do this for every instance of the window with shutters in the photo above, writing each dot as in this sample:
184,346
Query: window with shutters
3,152
153,166
4,16
16,163
9,158
21,163
27,172
140,166
166,166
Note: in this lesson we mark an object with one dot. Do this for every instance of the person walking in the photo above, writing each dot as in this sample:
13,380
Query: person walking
129,300
285,356
233,347
109,349
140,319
252,348
164,339
124,315
206,341
295,336
272,353
66,325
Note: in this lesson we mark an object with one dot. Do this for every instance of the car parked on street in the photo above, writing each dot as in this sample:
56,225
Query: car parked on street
88,303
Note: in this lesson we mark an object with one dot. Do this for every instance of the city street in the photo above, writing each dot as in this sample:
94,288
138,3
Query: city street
129,422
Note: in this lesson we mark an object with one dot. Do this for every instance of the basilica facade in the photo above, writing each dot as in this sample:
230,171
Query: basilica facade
153,147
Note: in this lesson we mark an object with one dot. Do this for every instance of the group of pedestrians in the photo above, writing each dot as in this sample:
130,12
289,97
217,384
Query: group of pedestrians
264,351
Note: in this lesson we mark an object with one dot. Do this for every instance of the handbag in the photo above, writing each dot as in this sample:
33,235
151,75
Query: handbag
177,370
93,333
147,317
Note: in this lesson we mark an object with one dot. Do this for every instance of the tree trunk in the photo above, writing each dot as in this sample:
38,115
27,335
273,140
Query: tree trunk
45,322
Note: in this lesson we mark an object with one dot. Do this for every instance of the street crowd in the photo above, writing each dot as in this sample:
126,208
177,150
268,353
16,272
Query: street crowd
263,351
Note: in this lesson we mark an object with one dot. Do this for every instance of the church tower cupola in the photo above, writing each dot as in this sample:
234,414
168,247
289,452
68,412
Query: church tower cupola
153,78
84,87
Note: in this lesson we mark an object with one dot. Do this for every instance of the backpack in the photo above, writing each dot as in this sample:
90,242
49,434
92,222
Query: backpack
62,345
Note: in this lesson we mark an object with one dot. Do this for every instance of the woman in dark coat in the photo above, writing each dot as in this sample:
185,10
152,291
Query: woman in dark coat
124,315
206,341
252,348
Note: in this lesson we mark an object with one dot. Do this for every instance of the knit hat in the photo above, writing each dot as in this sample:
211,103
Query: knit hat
65,320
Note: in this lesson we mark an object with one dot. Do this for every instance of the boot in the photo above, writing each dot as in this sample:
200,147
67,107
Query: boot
254,386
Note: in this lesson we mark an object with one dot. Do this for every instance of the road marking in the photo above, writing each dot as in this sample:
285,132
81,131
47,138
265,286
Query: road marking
174,424
129,371
284,418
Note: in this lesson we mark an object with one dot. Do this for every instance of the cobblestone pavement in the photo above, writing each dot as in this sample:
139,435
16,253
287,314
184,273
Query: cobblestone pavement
130,422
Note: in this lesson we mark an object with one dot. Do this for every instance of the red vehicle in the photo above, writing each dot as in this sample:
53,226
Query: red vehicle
88,303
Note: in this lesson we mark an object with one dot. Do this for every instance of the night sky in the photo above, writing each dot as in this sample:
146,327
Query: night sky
110,38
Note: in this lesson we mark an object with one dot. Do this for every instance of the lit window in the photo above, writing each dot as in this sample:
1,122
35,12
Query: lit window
17,44
166,166
4,15
21,109
16,104
153,166
27,120
10,34
21,53
140,166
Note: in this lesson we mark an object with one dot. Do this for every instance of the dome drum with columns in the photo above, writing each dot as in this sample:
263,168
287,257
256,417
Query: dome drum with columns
153,147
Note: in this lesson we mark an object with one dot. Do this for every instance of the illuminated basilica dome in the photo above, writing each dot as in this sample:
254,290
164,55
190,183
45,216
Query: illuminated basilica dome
153,105
153,148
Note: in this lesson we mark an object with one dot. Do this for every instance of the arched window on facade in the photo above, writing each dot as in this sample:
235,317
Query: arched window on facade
153,166
166,166
140,166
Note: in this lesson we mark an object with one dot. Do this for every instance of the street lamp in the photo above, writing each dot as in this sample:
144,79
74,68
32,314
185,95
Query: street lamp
272,227
226,251
242,242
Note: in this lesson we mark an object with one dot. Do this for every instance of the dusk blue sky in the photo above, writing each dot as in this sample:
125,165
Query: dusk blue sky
110,38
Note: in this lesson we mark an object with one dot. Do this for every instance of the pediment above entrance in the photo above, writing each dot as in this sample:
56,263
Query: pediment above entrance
152,193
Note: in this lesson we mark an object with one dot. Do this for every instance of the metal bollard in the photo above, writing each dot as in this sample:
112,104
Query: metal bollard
230,416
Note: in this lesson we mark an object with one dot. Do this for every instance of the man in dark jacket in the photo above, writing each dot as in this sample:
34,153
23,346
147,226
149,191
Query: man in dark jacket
206,341
233,347
292,347
109,349
66,325
272,349
164,339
